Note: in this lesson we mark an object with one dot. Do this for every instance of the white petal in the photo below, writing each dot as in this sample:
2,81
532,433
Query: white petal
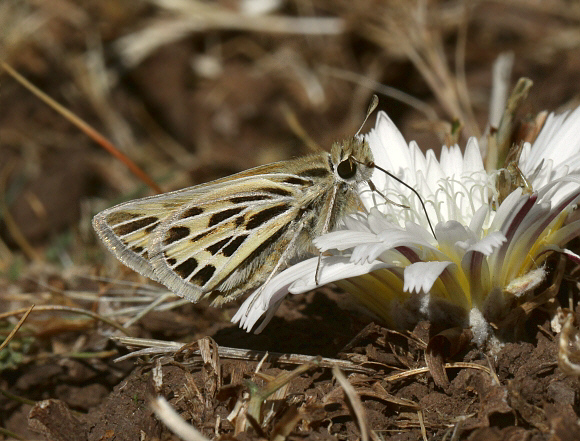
451,161
420,235
367,253
342,240
333,268
559,189
452,234
571,255
472,160
356,221
394,151
507,209
433,172
488,243
378,222
390,151
387,239
418,159
421,276
297,279
558,140
479,217
267,298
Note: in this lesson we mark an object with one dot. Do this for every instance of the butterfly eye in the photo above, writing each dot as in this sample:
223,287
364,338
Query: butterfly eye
346,169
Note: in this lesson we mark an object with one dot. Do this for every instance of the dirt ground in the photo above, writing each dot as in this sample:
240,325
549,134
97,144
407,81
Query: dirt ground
195,90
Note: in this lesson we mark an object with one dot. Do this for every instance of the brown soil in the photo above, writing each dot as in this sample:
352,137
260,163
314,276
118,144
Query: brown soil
213,103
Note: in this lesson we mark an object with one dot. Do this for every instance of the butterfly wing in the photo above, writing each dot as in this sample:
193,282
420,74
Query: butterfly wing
215,235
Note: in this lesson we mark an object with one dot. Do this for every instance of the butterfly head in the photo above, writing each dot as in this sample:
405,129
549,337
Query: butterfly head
352,160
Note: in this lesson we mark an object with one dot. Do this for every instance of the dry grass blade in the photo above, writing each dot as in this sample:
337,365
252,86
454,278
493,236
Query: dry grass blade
457,365
161,346
83,126
11,434
17,26
17,398
407,28
378,392
388,91
355,403
96,83
16,328
286,424
460,75
569,345
298,129
422,424
258,395
157,376
157,347
498,146
150,307
11,224
175,423
67,309
195,17
209,351
434,358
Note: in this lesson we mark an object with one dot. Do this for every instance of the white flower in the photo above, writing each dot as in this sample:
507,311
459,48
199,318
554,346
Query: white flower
485,255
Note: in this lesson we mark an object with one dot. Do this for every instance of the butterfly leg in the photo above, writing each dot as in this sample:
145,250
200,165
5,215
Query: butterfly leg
318,262
326,228
283,257
376,190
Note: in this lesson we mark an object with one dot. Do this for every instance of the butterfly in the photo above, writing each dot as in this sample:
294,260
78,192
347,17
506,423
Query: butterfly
223,238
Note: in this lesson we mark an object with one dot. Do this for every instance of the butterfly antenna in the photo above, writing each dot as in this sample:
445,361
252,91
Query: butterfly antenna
372,106
410,188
